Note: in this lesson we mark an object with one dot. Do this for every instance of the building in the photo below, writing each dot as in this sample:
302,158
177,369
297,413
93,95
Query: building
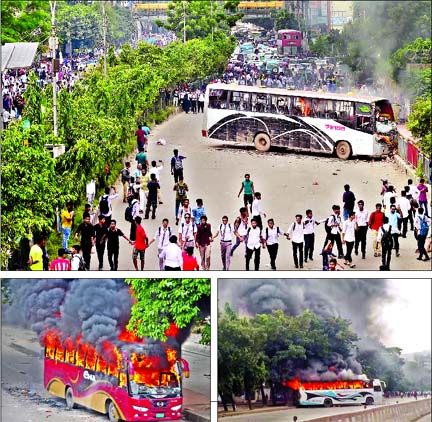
325,15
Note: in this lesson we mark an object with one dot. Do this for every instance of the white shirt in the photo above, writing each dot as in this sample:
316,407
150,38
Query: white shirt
349,230
296,232
256,208
386,199
110,199
243,227
172,256
181,213
187,231
135,208
273,234
405,205
75,262
413,191
385,227
254,238
362,217
162,235
418,221
334,219
309,225
226,231
156,170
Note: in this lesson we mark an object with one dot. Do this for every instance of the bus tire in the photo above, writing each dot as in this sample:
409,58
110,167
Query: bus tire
328,403
262,142
343,150
70,402
369,401
112,411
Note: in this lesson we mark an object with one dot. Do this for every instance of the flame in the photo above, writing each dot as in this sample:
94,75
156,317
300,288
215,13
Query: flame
296,384
129,337
172,331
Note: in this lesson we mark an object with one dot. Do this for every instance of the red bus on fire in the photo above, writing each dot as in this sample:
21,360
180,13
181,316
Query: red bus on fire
340,392
118,380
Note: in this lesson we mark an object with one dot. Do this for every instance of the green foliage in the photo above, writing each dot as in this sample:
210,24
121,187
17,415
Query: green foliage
162,301
25,21
419,122
320,46
285,20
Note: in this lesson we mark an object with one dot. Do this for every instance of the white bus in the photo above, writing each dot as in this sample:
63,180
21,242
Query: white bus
306,121
341,392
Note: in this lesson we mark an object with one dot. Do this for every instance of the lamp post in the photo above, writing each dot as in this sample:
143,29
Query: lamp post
53,44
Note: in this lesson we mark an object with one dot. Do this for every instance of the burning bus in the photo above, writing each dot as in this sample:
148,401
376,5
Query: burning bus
329,393
122,380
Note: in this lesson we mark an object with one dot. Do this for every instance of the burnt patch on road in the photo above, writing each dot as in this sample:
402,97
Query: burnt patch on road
24,350
33,396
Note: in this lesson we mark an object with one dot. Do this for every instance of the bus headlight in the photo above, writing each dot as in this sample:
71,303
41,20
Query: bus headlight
175,408
140,409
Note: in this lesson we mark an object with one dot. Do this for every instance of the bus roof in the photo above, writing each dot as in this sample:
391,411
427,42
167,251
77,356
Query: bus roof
293,93
283,31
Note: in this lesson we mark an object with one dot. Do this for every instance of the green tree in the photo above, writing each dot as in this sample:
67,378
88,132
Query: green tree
25,21
285,20
420,122
159,302
320,46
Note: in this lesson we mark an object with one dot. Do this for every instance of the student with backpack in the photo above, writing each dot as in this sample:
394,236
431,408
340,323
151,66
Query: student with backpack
105,203
162,236
77,261
422,224
253,244
181,189
309,224
296,233
272,234
187,233
125,178
226,230
177,166
131,212
333,229
386,240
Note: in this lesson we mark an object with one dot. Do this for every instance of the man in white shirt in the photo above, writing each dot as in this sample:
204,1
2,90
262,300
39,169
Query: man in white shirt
187,234
156,170
172,255
296,234
272,234
403,204
253,244
257,210
348,237
385,237
334,227
162,236
362,219
240,228
226,230
309,235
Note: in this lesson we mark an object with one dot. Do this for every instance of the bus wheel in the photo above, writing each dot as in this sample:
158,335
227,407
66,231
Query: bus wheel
343,150
112,412
70,403
328,403
369,400
262,142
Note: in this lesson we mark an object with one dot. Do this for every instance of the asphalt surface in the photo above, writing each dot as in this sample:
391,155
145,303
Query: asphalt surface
289,183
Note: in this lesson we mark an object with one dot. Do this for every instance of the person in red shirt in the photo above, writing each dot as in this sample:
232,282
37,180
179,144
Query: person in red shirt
375,222
141,138
189,261
141,243
60,264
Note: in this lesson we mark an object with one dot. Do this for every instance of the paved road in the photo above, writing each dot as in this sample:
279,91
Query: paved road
290,183
427,418
25,400
303,414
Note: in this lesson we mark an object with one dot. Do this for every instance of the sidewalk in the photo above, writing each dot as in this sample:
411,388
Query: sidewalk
196,406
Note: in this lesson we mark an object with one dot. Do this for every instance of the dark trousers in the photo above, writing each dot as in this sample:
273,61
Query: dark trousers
297,253
309,244
172,268
194,106
237,244
335,239
349,248
395,237
403,226
100,249
273,250
249,253
113,258
386,258
258,220
201,106
411,218
132,233
360,240
177,174
421,239
86,252
151,204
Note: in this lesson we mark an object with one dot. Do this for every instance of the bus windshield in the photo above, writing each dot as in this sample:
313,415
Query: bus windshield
168,387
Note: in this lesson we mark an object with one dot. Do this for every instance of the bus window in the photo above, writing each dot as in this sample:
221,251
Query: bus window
245,104
59,353
363,113
305,106
218,99
234,102
259,102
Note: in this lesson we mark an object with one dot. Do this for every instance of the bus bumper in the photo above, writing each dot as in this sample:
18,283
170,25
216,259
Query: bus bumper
380,149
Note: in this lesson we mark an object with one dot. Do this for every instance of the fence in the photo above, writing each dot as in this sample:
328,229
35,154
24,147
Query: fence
409,152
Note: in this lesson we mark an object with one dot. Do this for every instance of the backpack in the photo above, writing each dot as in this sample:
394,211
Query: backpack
328,228
81,265
169,231
424,228
125,175
277,231
178,163
249,229
128,211
386,239
181,190
104,205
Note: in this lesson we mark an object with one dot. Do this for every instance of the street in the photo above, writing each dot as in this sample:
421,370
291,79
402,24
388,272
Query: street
289,183
25,400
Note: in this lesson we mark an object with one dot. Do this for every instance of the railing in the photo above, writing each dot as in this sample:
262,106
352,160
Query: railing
410,153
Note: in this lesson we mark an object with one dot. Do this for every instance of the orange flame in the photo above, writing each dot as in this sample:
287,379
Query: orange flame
296,384
172,331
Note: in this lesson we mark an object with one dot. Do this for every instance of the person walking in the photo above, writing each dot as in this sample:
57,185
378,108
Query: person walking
240,228
254,240
393,219
131,212
203,241
296,234
67,217
143,191
113,244
309,235
348,199
422,225
348,238
198,211
272,234
187,233
152,199
361,219
226,231
386,240
141,158
36,254
125,178
422,197
375,223
248,189
183,210
403,205
61,263
181,189
77,261
140,245
100,230
257,211
140,135
105,203
87,232
189,261
162,236
333,228
172,255
177,165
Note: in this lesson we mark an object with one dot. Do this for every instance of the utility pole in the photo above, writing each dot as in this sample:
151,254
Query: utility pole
53,44
104,29
184,22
